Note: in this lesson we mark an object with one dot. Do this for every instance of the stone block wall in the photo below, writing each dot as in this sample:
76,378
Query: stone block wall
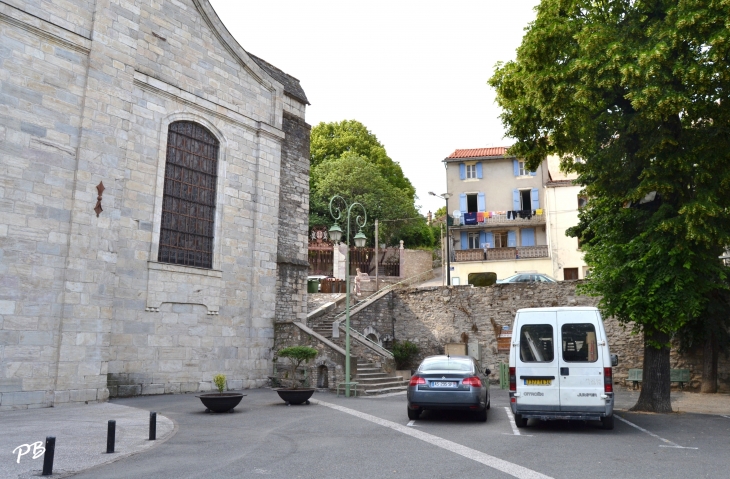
416,261
433,317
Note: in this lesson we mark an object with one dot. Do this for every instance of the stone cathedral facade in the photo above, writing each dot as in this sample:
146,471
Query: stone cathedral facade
154,192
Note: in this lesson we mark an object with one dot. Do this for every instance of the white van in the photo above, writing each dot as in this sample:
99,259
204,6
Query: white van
560,366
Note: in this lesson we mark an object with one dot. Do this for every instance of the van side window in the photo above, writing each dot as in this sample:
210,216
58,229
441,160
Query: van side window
579,343
536,343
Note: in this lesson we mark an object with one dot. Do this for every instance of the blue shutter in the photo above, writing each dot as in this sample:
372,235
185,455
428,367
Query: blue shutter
528,237
535,197
462,203
516,166
489,238
464,240
511,239
481,202
479,170
516,200
462,171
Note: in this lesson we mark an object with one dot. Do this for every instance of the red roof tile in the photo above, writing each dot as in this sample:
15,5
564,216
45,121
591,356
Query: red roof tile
479,152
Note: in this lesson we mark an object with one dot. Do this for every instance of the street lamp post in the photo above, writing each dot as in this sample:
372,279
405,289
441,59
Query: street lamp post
446,197
360,240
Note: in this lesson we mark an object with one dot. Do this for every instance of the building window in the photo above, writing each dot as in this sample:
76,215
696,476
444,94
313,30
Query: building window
471,172
523,171
570,274
525,200
473,241
189,197
500,239
582,201
471,204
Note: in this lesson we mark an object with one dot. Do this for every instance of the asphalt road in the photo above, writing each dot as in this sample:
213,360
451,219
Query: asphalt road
372,437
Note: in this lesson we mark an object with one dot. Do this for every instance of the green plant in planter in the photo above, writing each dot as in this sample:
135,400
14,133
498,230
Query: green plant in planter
403,354
220,382
297,355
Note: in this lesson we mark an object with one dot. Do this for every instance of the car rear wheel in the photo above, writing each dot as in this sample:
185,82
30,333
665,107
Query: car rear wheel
489,402
607,422
520,421
413,414
481,416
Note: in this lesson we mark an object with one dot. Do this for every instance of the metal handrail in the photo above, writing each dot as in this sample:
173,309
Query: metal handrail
381,350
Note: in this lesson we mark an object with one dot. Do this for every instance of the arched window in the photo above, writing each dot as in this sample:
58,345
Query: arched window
188,203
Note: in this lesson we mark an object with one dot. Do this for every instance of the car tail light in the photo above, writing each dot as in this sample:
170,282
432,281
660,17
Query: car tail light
472,381
512,379
608,380
416,380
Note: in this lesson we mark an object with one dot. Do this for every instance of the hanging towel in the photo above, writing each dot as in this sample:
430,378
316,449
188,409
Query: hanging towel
470,218
539,211
480,217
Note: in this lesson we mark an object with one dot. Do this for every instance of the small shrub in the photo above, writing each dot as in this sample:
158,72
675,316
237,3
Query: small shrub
296,356
220,382
403,354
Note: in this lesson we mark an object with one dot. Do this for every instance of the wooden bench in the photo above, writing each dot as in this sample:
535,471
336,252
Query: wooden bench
680,376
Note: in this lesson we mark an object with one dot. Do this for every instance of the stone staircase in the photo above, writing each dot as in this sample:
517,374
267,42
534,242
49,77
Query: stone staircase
372,380
370,376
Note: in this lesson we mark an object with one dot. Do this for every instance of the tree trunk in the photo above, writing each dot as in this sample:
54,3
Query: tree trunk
655,387
709,365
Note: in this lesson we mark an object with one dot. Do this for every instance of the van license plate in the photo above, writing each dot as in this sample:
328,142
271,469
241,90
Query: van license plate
538,382
443,385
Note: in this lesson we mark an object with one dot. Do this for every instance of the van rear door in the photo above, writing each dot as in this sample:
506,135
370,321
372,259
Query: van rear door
536,364
581,361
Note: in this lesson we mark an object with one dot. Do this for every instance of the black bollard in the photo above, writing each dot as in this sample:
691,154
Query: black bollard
153,426
110,436
48,456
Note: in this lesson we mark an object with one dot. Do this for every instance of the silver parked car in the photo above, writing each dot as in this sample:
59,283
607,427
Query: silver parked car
527,278
449,382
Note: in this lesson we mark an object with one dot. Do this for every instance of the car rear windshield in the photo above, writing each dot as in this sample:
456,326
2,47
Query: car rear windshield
446,365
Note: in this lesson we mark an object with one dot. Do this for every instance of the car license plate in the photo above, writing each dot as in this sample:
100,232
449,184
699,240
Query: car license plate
538,382
441,384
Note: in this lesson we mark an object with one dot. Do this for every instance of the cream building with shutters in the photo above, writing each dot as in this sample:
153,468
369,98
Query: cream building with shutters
502,216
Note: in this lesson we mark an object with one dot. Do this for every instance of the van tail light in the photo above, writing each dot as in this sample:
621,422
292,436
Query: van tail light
512,379
416,380
472,381
608,380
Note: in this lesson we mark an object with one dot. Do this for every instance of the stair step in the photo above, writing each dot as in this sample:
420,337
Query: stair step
375,392
383,384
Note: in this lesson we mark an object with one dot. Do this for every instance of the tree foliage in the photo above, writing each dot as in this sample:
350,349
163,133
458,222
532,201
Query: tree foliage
358,180
348,160
633,96
332,140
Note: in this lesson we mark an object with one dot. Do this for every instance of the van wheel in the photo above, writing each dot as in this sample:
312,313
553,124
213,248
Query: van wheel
520,421
607,422
414,414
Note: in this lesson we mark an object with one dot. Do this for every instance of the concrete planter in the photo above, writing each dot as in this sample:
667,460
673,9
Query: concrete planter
295,396
406,373
215,402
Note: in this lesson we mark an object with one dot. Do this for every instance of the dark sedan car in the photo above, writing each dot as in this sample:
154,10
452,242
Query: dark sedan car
527,278
449,382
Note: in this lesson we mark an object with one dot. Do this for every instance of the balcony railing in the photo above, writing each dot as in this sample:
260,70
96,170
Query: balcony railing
502,220
495,254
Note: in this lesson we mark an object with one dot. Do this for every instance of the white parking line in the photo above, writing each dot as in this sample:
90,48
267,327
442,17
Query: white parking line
670,443
478,456
511,418
725,416
411,422
399,393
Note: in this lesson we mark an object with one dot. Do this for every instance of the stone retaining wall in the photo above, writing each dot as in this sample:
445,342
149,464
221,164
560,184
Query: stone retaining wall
433,317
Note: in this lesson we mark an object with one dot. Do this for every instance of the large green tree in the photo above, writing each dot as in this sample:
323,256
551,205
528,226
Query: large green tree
332,140
355,178
633,95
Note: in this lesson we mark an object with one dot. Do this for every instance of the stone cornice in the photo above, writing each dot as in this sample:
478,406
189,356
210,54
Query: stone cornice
44,29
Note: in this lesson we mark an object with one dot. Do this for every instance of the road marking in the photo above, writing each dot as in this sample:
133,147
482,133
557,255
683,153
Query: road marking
411,422
478,456
670,443
511,418
725,416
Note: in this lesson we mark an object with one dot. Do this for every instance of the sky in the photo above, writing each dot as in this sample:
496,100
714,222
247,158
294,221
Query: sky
413,72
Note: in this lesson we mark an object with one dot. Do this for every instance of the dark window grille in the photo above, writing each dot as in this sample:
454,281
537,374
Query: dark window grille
189,199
